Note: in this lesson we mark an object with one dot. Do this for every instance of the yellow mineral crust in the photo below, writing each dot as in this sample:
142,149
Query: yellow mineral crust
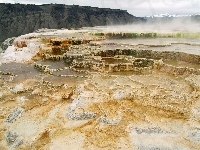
86,91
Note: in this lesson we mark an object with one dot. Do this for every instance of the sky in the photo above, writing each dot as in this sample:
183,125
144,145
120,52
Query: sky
135,7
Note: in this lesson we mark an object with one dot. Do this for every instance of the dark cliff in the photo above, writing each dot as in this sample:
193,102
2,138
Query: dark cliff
17,19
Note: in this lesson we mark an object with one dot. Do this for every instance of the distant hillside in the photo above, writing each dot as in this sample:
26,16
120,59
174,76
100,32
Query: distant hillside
17,19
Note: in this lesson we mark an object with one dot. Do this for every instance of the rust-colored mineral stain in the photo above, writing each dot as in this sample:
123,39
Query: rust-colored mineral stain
43,140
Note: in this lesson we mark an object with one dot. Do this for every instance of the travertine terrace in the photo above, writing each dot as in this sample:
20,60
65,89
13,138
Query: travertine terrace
85,89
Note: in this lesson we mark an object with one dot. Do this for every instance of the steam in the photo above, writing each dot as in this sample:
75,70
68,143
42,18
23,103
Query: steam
160,25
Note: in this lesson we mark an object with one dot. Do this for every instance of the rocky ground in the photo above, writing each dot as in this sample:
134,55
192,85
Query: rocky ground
68,89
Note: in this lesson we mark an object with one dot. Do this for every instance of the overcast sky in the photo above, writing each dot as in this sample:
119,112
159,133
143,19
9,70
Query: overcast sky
135,7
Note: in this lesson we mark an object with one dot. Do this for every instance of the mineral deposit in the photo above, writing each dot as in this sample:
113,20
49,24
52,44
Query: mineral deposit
84,89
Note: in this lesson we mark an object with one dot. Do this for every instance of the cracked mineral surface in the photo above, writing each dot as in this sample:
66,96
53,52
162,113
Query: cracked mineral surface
93,89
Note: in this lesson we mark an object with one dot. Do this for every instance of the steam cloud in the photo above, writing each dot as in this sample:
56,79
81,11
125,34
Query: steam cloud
176,25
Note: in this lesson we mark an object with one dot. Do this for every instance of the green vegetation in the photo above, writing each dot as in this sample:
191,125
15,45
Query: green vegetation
179,35
125,35
146,35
